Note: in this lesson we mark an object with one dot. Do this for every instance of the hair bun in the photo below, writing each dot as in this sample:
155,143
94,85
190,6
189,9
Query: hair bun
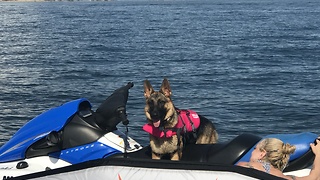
288,148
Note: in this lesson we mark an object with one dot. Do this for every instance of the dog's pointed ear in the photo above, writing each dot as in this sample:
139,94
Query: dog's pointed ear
165,88
148,89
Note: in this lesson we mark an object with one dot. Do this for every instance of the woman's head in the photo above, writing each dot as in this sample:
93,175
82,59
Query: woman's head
274,151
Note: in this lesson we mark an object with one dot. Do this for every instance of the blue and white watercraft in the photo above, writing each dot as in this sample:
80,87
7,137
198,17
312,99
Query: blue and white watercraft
69,134
74,142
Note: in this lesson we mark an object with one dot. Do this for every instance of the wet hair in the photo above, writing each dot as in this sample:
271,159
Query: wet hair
277,152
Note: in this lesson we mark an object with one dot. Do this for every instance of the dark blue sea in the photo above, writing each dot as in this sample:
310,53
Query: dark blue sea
249,66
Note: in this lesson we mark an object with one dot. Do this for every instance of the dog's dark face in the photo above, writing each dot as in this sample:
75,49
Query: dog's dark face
159,108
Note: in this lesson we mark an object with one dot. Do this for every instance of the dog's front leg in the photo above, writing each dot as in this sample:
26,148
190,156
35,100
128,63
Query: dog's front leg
155,156
176,156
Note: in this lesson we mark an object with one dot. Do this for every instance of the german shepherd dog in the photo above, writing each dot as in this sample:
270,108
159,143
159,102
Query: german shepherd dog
161,113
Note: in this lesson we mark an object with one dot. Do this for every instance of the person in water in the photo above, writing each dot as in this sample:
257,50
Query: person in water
271,155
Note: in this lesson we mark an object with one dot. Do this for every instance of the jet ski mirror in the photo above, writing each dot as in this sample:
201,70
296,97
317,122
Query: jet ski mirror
113,110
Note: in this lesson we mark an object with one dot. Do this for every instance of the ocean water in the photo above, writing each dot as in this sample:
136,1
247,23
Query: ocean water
249,66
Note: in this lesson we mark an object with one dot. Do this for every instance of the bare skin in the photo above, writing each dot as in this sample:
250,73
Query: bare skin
314,173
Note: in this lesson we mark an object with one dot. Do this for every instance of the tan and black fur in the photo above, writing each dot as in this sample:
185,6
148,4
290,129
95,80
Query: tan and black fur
159,107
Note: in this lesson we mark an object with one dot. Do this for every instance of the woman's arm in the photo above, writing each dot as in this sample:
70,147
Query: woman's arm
315,171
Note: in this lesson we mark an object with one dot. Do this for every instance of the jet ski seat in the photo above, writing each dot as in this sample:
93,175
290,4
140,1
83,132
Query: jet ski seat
221,153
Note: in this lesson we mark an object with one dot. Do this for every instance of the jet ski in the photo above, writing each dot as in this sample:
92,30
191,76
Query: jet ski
205,161
69,134
74,142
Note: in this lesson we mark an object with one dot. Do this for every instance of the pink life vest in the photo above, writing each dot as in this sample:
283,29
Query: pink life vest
188,121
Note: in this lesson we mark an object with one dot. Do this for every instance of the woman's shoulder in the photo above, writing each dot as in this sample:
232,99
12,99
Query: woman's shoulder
252,164
242,163
259,166
247,164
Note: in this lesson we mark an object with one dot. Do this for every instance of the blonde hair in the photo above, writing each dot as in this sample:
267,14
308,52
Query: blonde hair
277,152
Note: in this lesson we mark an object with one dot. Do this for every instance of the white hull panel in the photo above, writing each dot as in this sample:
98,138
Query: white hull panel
36,164
133,173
